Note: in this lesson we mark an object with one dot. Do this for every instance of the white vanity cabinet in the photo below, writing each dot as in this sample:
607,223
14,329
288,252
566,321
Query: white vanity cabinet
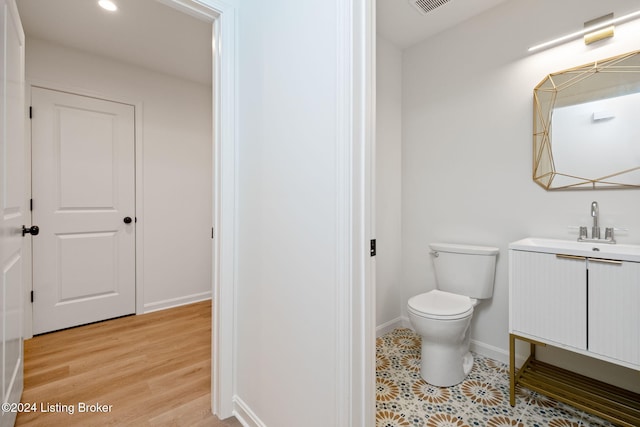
584,298
585,304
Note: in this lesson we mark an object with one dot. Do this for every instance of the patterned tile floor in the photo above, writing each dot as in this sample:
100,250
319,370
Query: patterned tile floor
482,399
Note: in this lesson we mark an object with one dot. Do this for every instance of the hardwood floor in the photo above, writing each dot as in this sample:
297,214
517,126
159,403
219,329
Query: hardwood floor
147,370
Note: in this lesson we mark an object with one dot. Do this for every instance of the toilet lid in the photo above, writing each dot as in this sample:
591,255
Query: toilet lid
440,304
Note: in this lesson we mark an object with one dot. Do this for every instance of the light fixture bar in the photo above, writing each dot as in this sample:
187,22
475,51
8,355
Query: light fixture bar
584,31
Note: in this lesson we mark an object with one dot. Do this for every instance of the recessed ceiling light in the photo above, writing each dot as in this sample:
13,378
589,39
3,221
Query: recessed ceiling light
108,5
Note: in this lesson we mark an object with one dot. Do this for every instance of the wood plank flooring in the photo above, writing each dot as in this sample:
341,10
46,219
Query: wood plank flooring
147,370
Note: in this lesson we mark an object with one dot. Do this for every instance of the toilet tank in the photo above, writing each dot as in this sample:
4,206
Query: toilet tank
465,269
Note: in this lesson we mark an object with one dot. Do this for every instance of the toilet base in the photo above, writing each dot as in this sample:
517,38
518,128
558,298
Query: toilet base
442,367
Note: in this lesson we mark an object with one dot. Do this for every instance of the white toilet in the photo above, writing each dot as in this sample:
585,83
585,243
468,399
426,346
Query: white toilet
464,275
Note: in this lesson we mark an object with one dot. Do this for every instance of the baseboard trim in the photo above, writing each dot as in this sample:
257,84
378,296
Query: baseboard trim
483,349
176,302
398,322
388,326
495,353
489,351
406,323
245,415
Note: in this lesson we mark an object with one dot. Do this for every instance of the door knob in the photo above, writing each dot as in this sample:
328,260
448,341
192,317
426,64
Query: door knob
33,230
127,220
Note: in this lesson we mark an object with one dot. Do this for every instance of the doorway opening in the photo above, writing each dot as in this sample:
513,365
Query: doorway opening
221,18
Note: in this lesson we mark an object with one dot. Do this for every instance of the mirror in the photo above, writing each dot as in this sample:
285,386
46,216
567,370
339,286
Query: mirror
586,126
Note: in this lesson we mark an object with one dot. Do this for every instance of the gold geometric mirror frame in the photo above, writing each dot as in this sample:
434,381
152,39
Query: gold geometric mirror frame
612,162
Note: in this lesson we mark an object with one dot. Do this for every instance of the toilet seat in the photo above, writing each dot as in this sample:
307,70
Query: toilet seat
437,304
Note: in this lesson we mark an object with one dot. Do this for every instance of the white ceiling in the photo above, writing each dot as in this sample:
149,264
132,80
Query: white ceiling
155,36
400,23
145,33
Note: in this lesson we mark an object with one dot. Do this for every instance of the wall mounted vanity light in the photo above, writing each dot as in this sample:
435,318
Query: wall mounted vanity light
596,29
600,34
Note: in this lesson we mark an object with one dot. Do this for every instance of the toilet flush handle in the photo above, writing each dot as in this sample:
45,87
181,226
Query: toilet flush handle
434,253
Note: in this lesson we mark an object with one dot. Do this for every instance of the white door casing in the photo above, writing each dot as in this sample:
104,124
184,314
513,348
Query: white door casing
13,213
83,187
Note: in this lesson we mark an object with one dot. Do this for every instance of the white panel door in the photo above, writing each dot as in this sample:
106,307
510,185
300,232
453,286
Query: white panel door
13,213
83,190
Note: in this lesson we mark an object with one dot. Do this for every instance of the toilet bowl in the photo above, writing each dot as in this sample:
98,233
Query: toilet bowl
464,274
442,319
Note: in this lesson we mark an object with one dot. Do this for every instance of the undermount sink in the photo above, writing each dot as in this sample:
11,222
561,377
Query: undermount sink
586,249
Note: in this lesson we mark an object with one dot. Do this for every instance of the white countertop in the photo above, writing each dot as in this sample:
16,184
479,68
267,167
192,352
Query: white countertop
570,247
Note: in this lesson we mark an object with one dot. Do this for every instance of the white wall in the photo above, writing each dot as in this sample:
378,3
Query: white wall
286,335
176,131
467,146
388,184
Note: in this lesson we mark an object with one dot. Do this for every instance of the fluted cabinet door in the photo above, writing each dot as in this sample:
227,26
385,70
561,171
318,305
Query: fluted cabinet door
548,298
614,310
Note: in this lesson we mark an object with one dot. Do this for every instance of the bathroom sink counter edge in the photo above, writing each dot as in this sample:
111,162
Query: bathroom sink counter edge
622,252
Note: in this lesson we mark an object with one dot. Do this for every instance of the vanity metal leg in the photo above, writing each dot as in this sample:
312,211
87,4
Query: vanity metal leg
532,350
512,370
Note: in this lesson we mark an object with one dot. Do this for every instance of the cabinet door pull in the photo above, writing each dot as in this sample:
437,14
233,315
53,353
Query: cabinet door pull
571,257
605,261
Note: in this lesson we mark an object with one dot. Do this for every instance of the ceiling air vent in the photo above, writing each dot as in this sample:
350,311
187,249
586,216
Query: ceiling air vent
426,6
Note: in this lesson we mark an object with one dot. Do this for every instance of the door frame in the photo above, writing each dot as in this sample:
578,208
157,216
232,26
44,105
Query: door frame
223,19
